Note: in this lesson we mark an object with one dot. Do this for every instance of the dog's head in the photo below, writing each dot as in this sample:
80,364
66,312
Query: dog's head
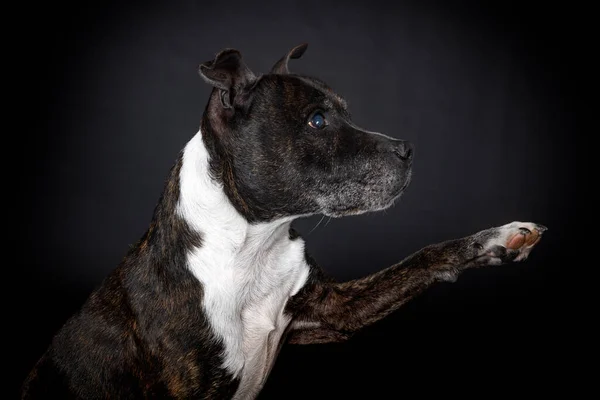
283,144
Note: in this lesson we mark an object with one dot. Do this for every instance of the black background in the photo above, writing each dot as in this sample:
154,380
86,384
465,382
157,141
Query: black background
488,92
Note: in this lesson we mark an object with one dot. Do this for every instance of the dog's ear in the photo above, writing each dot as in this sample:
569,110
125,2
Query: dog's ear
281,66
228,73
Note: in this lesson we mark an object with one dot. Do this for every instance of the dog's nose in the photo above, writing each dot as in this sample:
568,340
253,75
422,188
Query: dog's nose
403,149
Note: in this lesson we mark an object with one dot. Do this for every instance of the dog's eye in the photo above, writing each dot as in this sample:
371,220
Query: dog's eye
317,121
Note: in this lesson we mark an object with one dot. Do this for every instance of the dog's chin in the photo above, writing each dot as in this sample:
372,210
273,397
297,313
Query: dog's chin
369,201
340,210
400,190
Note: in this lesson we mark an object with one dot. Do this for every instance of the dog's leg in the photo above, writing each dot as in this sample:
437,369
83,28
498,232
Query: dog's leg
330,312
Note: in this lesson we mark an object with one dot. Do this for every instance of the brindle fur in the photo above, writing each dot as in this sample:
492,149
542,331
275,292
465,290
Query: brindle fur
144,334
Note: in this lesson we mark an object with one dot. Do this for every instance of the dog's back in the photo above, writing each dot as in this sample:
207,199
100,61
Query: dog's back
89,355
101,352
143,332
46,378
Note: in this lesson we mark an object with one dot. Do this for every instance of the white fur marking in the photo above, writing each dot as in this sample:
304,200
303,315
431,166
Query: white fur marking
248,271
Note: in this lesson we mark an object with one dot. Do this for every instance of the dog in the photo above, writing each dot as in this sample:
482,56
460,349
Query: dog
200,306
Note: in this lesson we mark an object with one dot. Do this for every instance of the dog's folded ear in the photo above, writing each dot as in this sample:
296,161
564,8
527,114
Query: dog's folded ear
281,66
228,73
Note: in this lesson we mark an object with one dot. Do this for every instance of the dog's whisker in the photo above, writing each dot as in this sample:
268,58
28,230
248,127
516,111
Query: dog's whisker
318,223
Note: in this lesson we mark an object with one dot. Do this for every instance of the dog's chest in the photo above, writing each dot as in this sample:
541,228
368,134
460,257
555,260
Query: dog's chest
263,320
265,287
244,300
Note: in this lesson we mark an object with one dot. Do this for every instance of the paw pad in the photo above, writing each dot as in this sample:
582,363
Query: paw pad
525,237
522,237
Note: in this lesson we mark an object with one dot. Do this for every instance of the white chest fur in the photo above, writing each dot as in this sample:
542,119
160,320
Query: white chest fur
248,272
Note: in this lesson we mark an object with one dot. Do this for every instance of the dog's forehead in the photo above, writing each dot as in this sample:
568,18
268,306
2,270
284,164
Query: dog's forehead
305,87
324,88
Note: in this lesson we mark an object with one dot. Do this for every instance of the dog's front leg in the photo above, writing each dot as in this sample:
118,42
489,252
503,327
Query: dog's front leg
330,311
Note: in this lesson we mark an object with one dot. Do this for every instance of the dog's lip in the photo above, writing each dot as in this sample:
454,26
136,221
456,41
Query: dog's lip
404,185
398,192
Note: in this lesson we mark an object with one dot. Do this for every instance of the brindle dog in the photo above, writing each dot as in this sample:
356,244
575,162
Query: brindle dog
201,305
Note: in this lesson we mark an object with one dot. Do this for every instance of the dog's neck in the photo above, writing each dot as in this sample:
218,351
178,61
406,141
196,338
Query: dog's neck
248,270
204,205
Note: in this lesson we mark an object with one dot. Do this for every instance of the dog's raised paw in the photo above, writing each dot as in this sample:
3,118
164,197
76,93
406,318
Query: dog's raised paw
510,242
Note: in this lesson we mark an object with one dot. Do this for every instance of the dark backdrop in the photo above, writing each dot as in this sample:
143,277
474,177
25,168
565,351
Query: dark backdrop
487,92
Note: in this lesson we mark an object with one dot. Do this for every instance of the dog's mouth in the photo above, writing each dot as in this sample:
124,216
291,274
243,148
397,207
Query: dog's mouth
360,200
395,194
407,180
